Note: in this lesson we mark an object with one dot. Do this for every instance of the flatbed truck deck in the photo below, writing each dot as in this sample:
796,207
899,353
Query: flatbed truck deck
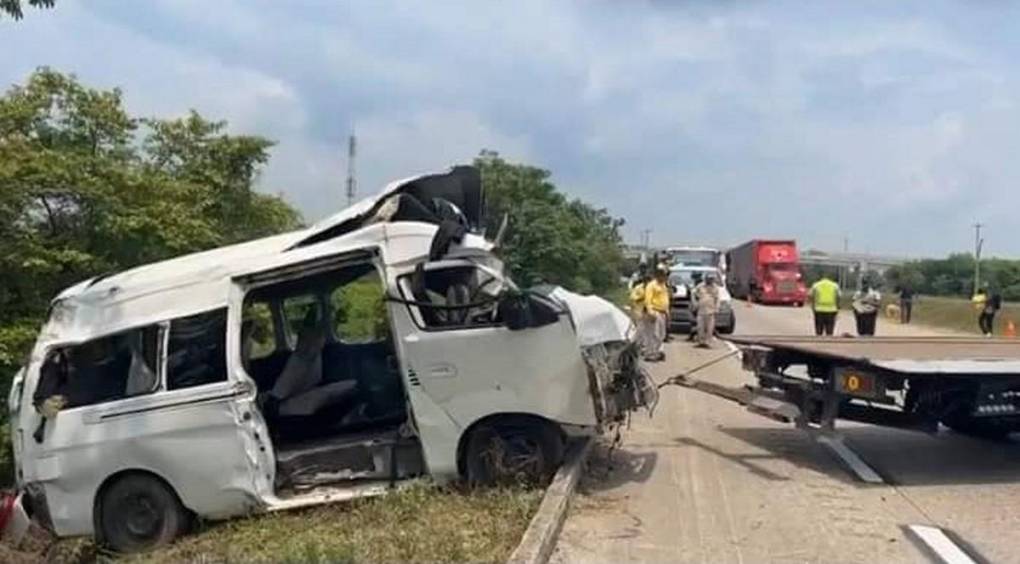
971,385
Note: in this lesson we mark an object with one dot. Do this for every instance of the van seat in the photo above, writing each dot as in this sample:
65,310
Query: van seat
309,402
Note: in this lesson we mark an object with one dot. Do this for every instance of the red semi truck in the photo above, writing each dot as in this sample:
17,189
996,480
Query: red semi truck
766,272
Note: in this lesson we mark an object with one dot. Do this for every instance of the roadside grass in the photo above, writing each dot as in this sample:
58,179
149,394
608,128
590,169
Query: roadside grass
958,314
421,523
954,314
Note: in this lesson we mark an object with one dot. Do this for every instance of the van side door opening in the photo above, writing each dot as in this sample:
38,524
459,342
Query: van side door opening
320,350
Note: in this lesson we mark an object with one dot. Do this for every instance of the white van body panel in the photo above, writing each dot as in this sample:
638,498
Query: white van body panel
457,377
190,438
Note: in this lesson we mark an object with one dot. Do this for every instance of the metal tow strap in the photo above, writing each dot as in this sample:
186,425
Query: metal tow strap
683,379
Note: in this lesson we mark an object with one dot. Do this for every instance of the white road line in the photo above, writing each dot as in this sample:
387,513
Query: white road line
734,348
940,544
850,458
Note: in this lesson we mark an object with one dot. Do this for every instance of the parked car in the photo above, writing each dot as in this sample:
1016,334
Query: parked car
382,344
683,314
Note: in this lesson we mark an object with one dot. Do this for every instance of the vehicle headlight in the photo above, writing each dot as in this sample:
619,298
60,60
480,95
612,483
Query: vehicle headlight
725,306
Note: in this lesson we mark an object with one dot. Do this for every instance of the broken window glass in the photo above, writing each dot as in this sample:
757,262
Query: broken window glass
197,351
102,370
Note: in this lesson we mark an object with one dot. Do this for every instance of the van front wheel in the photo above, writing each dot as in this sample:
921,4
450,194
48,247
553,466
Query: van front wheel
513,452
139,513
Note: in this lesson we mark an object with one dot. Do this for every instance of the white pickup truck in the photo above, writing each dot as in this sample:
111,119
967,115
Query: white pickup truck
682,312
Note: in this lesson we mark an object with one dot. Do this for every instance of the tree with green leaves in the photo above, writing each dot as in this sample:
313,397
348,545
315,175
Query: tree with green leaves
13,7
551,239
87,188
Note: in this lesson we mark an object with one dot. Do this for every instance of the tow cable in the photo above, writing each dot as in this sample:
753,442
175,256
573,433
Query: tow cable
684,380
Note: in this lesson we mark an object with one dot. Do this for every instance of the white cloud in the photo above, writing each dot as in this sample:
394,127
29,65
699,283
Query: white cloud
763,113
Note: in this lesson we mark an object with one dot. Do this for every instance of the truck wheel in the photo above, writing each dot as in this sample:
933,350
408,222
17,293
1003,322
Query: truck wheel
139,513
512,452
729,329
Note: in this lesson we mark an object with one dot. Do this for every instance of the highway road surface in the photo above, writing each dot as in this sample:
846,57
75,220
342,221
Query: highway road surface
706,481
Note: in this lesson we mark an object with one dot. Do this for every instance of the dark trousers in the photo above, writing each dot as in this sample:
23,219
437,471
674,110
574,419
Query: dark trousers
865,323
906,309
986,321
825,322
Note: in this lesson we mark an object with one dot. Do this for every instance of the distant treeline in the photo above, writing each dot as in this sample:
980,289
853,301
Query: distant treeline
954,276
951,276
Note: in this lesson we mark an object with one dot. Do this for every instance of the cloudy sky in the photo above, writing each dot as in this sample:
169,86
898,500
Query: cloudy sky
714,121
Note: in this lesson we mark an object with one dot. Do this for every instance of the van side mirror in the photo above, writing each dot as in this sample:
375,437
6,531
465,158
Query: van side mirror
523,310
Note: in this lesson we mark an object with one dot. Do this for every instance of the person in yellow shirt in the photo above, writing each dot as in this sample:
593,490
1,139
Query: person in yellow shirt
825,305
657,312
637,309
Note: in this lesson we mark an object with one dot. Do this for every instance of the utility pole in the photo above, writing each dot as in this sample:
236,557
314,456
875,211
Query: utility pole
352,183
978,243
646,238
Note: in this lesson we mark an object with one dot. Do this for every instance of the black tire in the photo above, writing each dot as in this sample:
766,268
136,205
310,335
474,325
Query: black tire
513,452
138,513
729,329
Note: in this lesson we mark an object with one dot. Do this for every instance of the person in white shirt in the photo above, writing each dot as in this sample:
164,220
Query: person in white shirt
866,304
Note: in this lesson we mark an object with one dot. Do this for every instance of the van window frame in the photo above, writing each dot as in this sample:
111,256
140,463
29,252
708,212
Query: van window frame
165,346
332,334
414,310
248,283
162,336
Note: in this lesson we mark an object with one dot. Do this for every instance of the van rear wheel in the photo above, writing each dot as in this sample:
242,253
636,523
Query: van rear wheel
139,513
513,452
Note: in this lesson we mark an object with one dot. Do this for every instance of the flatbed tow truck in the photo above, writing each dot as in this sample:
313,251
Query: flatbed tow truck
971,385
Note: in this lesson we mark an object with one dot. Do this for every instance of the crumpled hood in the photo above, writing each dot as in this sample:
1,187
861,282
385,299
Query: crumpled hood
597,320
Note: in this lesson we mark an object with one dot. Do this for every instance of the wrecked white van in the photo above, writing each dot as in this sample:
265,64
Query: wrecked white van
382,344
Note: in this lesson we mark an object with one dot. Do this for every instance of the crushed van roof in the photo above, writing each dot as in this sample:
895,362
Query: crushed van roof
237,259
202,281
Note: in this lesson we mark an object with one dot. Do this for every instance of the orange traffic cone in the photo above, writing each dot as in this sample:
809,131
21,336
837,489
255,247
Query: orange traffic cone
1010,329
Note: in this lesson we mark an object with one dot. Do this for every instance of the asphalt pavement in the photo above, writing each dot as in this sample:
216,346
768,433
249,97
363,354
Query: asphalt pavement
703,480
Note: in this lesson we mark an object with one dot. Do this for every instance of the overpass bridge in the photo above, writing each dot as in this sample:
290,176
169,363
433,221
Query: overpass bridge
850,267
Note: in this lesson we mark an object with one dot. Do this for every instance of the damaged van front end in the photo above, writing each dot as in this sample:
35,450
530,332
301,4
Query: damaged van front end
617,381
